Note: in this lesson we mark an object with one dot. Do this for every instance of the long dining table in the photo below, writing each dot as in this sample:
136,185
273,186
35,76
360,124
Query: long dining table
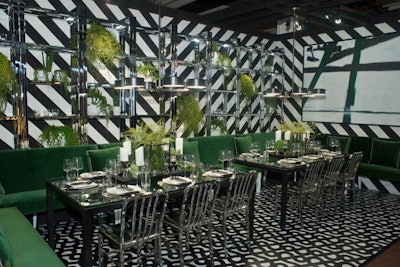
90,202
271,164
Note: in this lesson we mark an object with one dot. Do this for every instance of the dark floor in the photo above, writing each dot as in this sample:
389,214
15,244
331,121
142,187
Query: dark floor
346,238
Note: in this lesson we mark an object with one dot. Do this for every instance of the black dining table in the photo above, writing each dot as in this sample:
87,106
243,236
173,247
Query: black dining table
90,202
284,172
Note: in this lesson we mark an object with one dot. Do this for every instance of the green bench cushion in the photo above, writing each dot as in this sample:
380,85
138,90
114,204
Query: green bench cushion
29,248
379,172
6,253
385,152
28,202
191,148
110,145
363,144
260,138
242,144
209,147
97,158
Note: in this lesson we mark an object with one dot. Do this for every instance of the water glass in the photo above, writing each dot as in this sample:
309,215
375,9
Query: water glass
67,167
77,165
145,181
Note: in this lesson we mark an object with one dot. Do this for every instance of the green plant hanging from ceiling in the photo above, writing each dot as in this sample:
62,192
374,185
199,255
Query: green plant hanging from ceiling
147,69
247,87
99,100
7,81
101,45
189,113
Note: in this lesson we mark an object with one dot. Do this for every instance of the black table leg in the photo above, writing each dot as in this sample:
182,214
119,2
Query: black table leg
285,178
50,217
87,239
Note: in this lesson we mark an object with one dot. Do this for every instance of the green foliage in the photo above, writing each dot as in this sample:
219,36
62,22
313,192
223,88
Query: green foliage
279,144
189,112
116,98
144,135
148,70
101,45
296,127
219,123
269,63
270,103
100,101
55,136
247,87
7,81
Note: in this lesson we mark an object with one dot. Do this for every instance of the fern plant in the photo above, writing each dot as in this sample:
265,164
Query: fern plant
55,136
189,112
7,81
100,101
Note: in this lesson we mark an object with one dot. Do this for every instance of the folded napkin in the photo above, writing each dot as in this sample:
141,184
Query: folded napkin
218,173
77,185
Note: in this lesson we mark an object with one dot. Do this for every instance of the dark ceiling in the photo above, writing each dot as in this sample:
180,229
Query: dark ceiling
262,16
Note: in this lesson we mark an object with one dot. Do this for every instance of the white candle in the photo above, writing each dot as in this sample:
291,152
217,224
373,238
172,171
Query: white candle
287,135
127,145
139,156
123,154
308,134
278,135
179,145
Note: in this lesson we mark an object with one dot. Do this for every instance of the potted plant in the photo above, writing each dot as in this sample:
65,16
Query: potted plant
247,87
269,64
271,105
219,124
152,139
54,136
101,45
189,113
44,74
96,99
148,71
116,95
61,77
7,81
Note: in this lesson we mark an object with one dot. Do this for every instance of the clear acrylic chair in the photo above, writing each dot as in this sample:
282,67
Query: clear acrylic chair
141,223
349,175
331,176
307,188
236,202
194,213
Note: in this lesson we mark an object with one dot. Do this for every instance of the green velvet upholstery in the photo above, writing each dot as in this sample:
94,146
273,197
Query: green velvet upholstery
28,247
97,158
6,253
260,138
191,148
363,144
2,190
385,153
379,172
110,145
242,144
209,147
344,142
25,172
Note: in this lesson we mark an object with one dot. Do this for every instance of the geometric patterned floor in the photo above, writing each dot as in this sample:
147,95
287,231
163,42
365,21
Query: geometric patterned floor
345,238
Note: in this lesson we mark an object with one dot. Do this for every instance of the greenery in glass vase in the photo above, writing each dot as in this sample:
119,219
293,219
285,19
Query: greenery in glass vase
61,77
7,81
100,101
101,45
248,88
269,64
219,123
189,113
46,68
55,136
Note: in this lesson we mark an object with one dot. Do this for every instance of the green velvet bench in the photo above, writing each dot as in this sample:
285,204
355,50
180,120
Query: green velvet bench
21,245
24,174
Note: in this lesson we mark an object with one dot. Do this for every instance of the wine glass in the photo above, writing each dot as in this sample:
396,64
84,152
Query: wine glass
67,167
229,158
111,169
223,158
254,148
296,148
77,164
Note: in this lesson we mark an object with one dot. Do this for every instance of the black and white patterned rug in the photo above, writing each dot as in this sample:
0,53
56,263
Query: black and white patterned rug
346,238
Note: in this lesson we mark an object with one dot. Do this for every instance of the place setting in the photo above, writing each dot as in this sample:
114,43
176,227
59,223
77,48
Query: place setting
80,185
218,173
122,190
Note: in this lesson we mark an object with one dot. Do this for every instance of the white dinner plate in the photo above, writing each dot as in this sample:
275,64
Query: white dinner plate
177,180
118,190
79,185
93,174
218,173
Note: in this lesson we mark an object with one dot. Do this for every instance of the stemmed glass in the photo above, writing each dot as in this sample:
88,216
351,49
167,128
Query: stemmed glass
254,148
223,157
111,169
67,167
296,148
77,165
229,158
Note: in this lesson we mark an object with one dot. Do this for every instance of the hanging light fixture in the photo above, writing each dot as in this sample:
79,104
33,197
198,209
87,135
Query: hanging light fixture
196,83
173,82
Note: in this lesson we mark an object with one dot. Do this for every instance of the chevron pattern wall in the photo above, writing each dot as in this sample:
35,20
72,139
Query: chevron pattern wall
47,30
